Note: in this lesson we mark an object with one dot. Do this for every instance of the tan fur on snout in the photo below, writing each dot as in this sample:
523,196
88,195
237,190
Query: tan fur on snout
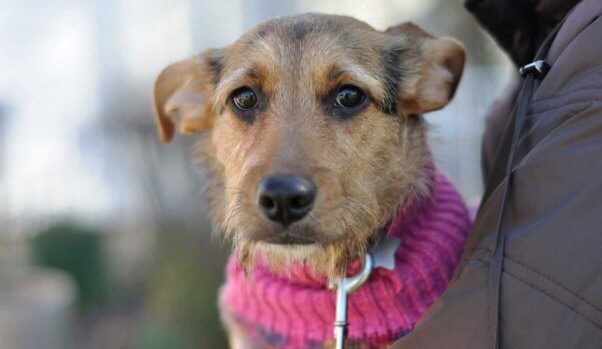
365,166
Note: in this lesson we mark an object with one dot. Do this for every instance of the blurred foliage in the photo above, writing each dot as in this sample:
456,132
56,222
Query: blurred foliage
181,309
162,335
78,250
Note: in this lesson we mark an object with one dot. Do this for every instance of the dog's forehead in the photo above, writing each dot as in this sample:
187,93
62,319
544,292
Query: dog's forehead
297,27
309,39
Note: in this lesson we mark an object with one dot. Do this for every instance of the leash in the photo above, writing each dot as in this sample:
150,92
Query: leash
382,254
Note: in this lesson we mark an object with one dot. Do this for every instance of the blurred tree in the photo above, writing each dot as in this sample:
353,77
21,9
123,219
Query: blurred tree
77,250
182,294
162,335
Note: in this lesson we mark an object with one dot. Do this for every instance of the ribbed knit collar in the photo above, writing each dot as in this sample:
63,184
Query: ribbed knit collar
297,310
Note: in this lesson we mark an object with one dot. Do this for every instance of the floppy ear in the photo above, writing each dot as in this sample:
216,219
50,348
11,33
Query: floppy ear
440,62
183,94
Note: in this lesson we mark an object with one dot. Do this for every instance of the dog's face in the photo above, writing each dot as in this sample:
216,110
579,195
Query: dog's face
314,135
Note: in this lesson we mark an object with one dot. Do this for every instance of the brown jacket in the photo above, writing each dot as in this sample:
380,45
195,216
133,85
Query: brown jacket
548,293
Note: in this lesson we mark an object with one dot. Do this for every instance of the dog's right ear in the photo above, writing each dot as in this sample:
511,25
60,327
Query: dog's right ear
183,94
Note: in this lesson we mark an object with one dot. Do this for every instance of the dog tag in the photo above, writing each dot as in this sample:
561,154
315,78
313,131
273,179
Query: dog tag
383,252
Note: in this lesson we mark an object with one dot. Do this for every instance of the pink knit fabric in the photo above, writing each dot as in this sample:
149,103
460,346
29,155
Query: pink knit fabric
296,310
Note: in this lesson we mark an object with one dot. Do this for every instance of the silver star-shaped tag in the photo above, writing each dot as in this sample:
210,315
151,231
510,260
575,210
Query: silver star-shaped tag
383,252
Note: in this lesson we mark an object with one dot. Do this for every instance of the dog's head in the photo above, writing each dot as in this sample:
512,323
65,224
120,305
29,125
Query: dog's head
314,135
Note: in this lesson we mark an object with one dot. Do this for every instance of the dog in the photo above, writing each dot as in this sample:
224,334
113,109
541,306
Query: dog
315,144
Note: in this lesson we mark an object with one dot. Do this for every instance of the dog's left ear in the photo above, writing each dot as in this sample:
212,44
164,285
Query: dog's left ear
183,94
440,64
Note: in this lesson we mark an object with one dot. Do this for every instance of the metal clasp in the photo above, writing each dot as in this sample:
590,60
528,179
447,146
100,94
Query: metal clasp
345,286
538,69
382,254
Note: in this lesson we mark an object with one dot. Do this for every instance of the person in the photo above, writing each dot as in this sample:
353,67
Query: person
531,272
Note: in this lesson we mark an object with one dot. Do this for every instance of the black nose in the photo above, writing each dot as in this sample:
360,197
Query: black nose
285,199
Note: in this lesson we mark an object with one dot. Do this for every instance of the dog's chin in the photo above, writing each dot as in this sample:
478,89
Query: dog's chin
288,239
280,252
283,254
298,234
280,247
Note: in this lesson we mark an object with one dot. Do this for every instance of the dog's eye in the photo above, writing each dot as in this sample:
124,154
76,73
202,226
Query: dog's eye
349,97
244,98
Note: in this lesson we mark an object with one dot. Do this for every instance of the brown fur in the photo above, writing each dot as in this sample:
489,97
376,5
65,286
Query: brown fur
365,166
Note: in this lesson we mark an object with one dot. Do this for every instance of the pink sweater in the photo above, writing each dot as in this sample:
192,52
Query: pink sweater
297,310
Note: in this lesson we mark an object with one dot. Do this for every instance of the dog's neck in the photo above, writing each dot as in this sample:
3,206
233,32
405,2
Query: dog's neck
295,309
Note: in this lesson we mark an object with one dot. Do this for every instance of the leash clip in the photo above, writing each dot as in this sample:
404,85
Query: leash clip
346,286
381,255
538,69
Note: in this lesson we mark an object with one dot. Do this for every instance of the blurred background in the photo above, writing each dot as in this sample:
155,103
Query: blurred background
104,237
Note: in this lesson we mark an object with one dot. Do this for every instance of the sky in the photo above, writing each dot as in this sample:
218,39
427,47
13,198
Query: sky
47,89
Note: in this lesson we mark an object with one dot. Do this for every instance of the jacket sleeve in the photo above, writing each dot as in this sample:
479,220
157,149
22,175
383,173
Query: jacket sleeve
551,286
